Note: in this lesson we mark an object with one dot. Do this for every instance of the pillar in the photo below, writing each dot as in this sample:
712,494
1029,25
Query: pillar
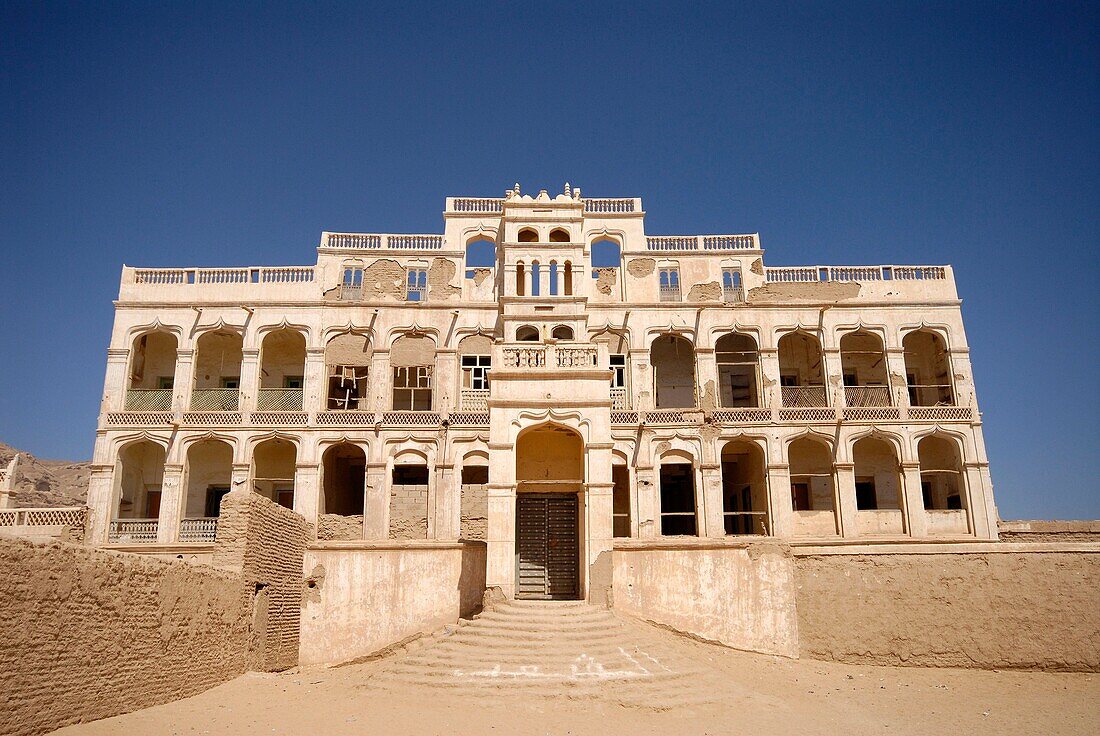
307,491
780,507
845,500
649,523
640,380
527,279
599,520
706,373
250,379
711,511
376,502
116,381
444,380
315,381
100,503
916,520
381,381
834,377
446,521
896,379
544,280
171,504
182,382
771,395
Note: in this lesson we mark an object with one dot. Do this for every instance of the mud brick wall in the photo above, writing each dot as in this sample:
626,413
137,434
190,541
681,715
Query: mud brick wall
265,542
1027,610
89,634
475,511
334,526
409,512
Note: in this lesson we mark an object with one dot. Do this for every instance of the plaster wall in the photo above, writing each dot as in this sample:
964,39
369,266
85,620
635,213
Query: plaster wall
362,597
740,595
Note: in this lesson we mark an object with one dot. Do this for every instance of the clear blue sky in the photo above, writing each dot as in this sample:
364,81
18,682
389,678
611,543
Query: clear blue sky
169,134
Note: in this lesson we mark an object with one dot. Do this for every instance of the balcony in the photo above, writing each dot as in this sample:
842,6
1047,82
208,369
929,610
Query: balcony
549,356
133,531
866,396
804,397
199,530
931,395
215,399
148,399
279,399
474,399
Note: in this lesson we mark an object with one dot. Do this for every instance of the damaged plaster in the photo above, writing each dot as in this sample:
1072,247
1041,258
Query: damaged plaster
440,274
815,291
639,267
710,291
605,279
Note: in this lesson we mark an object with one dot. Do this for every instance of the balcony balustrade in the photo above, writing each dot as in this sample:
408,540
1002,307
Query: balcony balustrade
733,295
133,531
669,293
549,356
279,399
148,399
803,397
866,396
215,399
474,399
203,529
620,399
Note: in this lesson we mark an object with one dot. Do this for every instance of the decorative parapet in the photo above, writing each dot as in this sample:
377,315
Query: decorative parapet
811,274
702,242
380,241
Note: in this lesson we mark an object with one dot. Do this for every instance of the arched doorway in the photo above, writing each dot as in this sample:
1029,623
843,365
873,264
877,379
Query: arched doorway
549,484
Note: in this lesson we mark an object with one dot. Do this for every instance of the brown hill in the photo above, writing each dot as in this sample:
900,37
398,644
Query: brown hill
47,482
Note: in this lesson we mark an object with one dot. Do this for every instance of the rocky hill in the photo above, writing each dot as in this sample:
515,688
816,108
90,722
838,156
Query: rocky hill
47,482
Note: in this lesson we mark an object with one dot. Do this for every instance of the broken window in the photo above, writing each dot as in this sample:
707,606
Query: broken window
737,359
475,475
865,494
678,499
812,481
800,496
347,358
410,475
940,473
214,496
863,364
802,371
412,388
618,371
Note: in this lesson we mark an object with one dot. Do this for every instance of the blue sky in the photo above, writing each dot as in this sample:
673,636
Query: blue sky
216,134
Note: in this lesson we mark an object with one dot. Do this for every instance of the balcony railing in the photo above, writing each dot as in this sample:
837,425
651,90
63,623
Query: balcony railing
381,241
930,395
204,529
733,295
351,292
148,399
215,399
133,531
279,399
860,396
552,356
474,399
620,400
670,293
703,242
802,274
245,275
800,397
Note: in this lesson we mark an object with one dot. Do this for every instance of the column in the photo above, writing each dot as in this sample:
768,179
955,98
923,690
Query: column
376,502
899,385
307,491
444,380
250,379
640,380
447,497
182,382
713,507
599,511
100,503
381,381
706,372
315,381
916,521
958,359
544,280
834,378
979,498
845,499
500,538
527,279
115,381
171,504
769,379
649,523
780,507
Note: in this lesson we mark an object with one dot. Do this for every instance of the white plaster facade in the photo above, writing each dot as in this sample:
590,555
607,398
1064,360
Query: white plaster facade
246,356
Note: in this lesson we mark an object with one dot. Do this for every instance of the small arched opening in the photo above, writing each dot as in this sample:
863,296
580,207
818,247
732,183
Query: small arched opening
562,332
559,235
528,235
527,333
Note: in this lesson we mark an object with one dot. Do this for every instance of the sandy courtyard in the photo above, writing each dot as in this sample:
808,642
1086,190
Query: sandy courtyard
741,693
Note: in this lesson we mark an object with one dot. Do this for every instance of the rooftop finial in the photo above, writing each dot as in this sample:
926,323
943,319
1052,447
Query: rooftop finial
516,189
568,190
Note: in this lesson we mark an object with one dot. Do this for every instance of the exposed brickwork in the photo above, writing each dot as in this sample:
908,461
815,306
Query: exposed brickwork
1006,610
266,543
475,511
334,526
90,634
409,512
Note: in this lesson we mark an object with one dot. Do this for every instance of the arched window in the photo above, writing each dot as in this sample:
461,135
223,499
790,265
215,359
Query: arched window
209,474
217,369
941,477
536,278
273,464
813,488
527,333
677,489
568,273
282,371
562,332
738,361
521,279
347,365
863,365
927,369
343,469
744,488
878,487
137,486
801,371
528,235
152,372
480,253
558,235
555,274
673,361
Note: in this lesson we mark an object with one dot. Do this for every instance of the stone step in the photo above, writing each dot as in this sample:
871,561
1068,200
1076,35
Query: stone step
544,660
548,626
536,616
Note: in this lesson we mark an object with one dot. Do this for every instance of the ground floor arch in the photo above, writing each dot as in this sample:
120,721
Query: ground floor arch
343,473
744,488
273,467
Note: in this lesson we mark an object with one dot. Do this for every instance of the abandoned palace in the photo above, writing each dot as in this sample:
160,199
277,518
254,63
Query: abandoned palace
587,385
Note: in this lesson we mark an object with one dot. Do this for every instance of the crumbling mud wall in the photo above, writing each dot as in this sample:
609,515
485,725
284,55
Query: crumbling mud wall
474,511
361,597
440,274
1003,610
335,526
738,594
90,634
265,543
824,291
408,512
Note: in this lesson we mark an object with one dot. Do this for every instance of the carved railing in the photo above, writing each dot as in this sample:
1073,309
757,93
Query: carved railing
620,400
244,275
345,418
702,242
610,205
133,531
742,415
148,399
411,418
215,399
574,357
804,396
139,418
670,293
351,292
549,356
381,241
204,529
71,516
867,396
733,294
525,357
941,413
800,274
473,399
279,399
475,204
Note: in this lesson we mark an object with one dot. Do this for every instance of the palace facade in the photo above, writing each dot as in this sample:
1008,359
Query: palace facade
586,384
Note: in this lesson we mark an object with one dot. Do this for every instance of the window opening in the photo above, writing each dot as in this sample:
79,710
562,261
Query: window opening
475,371
416,285
620,500
412,388
678,499
214,496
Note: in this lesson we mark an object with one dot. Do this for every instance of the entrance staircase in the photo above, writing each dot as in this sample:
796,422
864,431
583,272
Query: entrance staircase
552,649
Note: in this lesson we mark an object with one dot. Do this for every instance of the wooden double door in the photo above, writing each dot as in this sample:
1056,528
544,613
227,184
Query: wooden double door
547,546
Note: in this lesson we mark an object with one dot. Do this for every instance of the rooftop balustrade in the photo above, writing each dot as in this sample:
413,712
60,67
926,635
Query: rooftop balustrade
810,274
703,242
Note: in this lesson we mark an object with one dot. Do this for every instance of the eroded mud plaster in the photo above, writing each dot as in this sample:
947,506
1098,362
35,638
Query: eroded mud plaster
707,292
440,274
826,291
639,267
605,279
384,278
480,274
757,267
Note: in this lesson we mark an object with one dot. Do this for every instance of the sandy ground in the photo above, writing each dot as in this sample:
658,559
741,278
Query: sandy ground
753,694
